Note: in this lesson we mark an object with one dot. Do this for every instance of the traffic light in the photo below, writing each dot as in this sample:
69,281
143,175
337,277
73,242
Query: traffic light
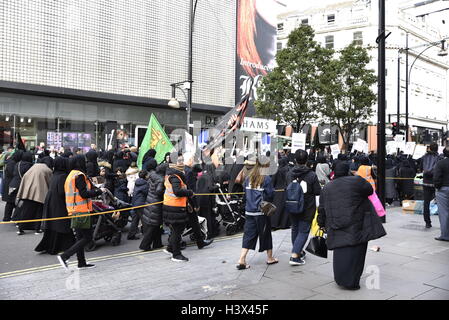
395,128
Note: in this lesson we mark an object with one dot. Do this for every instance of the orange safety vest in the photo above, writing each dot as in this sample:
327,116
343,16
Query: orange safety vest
170,199
74,202
365,173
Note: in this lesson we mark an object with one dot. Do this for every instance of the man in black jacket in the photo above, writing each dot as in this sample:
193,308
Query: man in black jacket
427,164
441,182
301,223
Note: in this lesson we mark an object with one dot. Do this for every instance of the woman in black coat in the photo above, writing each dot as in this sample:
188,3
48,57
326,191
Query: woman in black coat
345,212
58,236
406,184
92,167
20,169
280,220
152,215
10,198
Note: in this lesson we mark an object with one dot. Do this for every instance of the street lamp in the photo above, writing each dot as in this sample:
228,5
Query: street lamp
174,103
441,53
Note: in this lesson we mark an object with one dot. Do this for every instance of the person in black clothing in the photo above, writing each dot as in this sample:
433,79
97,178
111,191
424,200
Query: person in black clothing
152,215
93,169
83,236
406,184
148,162
441,182
8,195
301,223
58,236
205,185
121,161
347,216
121,186
280,220
426,165
20,169
139,199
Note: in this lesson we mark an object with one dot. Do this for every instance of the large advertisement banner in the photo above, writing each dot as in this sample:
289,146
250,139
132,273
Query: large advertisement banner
256,45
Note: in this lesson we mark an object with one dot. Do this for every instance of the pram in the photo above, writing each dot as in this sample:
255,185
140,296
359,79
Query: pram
231,212
108,226
203,226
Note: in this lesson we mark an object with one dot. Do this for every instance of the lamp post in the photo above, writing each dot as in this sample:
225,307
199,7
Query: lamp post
442,53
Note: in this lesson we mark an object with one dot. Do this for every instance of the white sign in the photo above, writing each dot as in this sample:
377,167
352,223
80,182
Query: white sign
298,142
391,147
410,148
399,138
440,150
259,125
361,146
420,151
335,150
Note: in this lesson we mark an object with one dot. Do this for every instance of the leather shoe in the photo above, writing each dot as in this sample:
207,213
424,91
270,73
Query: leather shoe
441,239
204,243
428,226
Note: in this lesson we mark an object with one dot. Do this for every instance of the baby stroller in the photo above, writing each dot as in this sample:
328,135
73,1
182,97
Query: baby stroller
108,226
203,226
231,211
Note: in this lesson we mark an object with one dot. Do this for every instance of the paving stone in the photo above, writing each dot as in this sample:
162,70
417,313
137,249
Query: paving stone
442,282
435,294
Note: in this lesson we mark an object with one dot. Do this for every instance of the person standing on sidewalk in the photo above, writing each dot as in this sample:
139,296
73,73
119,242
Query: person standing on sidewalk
346,214
78,193
441,182
175,207
139,199
8,193
258,188
427,165
301,223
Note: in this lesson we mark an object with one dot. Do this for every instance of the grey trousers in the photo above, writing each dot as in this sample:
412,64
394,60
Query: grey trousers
442,196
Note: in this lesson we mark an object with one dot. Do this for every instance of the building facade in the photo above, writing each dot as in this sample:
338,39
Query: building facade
77,68
338,25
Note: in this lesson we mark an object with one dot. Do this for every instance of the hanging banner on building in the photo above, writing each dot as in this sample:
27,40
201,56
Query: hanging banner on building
298,142
256,45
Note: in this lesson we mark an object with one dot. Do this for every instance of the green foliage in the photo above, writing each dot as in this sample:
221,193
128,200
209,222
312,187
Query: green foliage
346,91
289,94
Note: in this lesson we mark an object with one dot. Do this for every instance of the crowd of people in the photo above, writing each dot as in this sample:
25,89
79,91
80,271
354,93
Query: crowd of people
48,184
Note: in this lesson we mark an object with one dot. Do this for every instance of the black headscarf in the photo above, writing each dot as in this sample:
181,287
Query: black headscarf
341,170
27,157
61,165
48,161
17,156
78,162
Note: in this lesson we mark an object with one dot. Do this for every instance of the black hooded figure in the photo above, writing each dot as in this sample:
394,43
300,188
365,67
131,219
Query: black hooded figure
20,169
8,195
93,170
58,236
280,220
121,162
148,162
406,183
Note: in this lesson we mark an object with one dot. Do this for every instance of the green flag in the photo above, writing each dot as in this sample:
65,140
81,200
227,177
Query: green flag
156,139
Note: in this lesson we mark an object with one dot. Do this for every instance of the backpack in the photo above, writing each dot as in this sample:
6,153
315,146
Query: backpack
295,198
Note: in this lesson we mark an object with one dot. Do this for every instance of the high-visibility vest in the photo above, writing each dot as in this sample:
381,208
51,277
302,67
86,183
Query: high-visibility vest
74,202
365,173
170,199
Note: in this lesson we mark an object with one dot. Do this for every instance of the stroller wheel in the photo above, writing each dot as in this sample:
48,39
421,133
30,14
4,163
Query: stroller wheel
91,246
108,238
116,239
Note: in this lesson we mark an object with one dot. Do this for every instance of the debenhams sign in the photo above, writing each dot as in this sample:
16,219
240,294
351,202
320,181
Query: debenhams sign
259,125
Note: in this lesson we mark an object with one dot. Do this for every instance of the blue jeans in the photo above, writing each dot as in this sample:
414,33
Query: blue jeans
300,233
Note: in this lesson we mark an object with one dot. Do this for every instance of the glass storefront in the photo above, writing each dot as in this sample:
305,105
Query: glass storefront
78,124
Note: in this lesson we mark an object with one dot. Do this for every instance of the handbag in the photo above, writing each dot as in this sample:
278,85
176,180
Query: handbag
267,208
380,210
317,245
80,222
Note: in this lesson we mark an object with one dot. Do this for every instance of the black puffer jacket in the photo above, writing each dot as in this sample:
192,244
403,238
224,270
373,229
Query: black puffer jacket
347,214
121,189
176,215
140,192
21,168
93,170
303,173
152,215
9,175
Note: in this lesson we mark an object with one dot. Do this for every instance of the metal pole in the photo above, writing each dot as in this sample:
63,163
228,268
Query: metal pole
190,68
381,107
406,88
399,90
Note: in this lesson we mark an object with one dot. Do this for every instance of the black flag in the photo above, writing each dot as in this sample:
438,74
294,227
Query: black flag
19,143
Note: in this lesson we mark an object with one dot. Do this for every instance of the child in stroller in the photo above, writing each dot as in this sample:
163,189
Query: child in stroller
108,226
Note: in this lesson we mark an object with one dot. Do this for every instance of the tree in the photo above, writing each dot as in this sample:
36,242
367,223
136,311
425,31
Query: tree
346,91
289,94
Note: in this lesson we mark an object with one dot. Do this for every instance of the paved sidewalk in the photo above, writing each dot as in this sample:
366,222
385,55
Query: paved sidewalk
410,265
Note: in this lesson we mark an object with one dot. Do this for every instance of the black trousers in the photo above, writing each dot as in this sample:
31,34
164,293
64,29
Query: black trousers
174,240
83,237
134,228
429,195
152,237
9,208
195,225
